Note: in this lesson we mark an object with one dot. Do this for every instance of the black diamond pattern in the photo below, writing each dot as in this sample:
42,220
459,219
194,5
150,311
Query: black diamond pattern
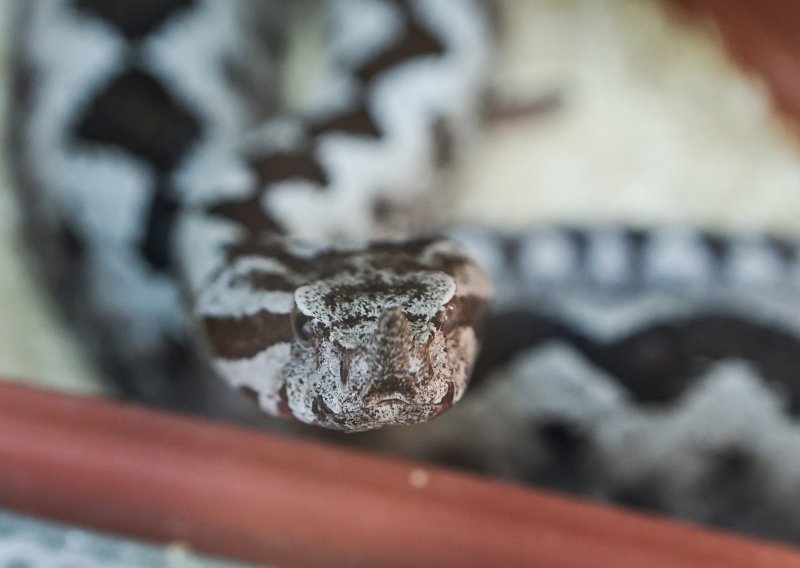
134,18
136,113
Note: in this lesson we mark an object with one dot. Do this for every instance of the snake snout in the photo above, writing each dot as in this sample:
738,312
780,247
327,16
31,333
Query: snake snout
391,380
392,323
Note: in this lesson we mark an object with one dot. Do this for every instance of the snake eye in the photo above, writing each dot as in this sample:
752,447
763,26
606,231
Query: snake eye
303,326
448,319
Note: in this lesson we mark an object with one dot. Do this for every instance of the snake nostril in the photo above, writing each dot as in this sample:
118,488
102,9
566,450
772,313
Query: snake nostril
392,321
447,400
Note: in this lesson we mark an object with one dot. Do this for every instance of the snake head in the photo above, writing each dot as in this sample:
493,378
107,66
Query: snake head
352,337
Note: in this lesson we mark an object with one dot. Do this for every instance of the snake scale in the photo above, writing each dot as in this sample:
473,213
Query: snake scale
197,228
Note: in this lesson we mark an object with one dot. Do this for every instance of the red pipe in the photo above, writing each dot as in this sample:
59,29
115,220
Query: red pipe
260,498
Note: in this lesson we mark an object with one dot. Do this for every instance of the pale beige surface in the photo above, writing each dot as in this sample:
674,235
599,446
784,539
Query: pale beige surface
656,126
34,344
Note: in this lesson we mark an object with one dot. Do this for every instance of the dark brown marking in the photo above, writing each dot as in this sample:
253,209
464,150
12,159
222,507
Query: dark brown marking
283,403
344,368
498,111
719,248
564,440
266,281
417,42
580,244
74,245
320,409
246,337
249,213
270,169
447,400
250,393
382,210
444,144
732,463
358,122
384,254
637,239
644,495
282,166
510,247
271,248
785,249
155,246
412,247
134,19
657,364
136,113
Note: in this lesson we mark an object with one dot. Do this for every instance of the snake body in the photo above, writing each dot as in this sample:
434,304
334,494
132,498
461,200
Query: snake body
196,228
144,159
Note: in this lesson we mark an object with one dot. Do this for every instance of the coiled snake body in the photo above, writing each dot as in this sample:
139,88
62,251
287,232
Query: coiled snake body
137,124
159,170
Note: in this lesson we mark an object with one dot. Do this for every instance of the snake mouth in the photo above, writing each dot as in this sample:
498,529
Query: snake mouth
392,402
394,411
436,408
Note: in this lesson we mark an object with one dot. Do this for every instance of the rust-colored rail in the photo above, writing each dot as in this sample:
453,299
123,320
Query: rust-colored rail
260,498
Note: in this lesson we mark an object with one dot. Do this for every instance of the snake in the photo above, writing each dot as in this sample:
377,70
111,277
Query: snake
152,173
214,241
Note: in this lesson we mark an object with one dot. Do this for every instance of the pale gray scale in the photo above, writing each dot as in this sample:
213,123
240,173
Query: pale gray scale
600,291
258,374
144,306
753,262
371,27
549,257
677,258
609,258
483,245
554,380
232,293
607,316
793,262
201,244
